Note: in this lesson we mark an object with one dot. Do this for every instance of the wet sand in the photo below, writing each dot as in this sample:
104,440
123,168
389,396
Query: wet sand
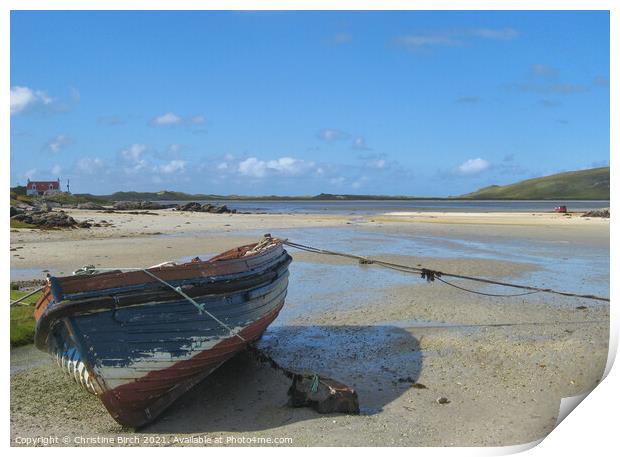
502,363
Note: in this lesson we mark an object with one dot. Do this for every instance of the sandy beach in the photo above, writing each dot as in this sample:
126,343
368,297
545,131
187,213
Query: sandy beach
503,364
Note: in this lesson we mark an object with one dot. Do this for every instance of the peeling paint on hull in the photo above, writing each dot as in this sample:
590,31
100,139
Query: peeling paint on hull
139,351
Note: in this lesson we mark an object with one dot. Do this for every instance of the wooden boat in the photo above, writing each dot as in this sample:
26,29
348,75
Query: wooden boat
140,339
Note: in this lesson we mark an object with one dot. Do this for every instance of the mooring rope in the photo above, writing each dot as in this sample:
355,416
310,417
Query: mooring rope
431,275
200,306
20,299
90,269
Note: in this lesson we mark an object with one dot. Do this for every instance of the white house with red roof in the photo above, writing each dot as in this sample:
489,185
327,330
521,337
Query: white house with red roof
43,187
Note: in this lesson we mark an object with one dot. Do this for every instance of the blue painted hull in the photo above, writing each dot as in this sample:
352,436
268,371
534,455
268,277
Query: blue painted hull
140,346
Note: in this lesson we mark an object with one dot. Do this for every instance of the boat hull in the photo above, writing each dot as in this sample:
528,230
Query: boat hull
139,349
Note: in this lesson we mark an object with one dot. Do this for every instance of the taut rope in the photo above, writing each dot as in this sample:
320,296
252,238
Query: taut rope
431,275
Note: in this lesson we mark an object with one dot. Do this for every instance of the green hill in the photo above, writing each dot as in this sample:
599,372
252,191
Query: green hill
590,184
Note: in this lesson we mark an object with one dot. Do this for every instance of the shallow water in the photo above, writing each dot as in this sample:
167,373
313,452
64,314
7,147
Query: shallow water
578,268
383,206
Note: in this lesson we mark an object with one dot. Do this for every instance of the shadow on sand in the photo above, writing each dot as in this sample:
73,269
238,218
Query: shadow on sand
380,362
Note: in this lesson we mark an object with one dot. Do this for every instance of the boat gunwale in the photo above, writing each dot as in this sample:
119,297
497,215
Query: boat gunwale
107,302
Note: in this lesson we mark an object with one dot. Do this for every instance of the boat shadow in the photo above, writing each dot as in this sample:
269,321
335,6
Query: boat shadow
380,362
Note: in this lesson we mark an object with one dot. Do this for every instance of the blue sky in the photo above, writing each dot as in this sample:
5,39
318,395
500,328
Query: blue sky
298,103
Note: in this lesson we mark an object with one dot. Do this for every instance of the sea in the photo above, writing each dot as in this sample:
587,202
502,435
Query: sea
353,207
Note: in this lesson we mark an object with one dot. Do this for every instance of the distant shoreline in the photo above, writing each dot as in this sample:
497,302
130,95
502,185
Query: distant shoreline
360,198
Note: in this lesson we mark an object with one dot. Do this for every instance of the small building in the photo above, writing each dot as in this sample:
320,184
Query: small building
43,187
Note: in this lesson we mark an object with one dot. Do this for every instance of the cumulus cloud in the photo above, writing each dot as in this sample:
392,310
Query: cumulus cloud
166,119
378,161
257,168
331,135
133,160
58,143
23,98
174,166
360,144
134,152
174,119
56,170
455,37
473,166
89,165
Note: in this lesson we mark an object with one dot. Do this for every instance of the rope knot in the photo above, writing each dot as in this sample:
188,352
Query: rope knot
430,275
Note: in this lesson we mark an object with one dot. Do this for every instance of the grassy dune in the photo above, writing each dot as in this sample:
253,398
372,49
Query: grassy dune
590,184
22,320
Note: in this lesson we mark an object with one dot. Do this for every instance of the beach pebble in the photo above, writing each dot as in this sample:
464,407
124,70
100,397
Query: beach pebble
442,401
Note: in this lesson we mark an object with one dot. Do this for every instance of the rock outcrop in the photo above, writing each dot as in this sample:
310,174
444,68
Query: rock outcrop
603,212
49,219
206,208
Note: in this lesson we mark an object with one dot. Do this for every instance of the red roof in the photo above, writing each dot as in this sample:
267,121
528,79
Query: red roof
42,186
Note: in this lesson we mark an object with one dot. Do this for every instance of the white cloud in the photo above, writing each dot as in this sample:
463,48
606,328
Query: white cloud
283,166
174,119
455,37
89,165
58,143
24,97
174,166
473,166
379,163
506,33
253,167
167,119
360,143
56,170
287,165
133,158
133,152
330,135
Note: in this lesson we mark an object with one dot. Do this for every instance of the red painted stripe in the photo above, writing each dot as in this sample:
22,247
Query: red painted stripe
137,403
